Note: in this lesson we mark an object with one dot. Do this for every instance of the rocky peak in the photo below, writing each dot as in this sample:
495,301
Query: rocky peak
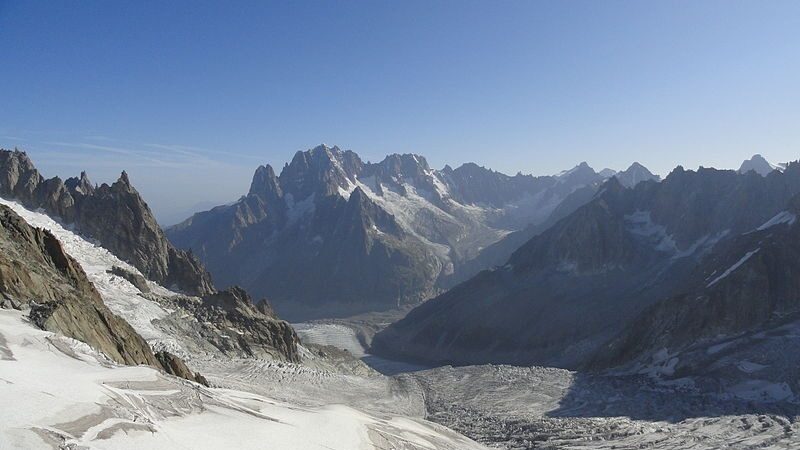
607,173
256,330
610,189
407,164
18,177
580,174
80,186
123,183
757,164
398,169
363,215
635,174
265,184
321,170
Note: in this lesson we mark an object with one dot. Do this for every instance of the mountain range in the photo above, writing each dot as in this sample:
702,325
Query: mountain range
634,271
333,235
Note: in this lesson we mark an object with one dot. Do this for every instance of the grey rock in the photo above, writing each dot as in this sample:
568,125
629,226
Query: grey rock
231,322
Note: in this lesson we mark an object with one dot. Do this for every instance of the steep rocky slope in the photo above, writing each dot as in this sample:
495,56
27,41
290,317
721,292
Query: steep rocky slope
114,215
37,274
222,324
748,283
570,289
334,235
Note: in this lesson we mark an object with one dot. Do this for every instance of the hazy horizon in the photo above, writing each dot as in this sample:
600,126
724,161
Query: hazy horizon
190,99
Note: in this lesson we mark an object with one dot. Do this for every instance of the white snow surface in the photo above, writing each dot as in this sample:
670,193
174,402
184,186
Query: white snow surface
65,395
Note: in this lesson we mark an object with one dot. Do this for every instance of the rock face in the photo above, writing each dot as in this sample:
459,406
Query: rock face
114,215
36,273
745,283
232,323
334,235
175,366
569,290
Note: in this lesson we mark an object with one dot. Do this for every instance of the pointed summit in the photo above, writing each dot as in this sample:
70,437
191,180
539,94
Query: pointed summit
581,174
635,174
82,185
757,164
265,184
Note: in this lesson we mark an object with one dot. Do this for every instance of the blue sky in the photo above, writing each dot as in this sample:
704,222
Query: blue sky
190,97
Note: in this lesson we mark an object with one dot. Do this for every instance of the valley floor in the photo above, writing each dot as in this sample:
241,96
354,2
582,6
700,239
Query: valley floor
536,407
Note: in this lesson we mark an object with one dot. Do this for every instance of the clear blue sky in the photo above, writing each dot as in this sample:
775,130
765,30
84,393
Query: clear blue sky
190,98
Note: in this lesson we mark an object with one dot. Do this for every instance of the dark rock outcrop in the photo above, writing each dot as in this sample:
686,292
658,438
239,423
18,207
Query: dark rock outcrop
134,278
232,323
114,215
175,366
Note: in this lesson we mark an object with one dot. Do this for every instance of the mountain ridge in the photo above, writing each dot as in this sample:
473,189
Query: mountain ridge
568,290
92,208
